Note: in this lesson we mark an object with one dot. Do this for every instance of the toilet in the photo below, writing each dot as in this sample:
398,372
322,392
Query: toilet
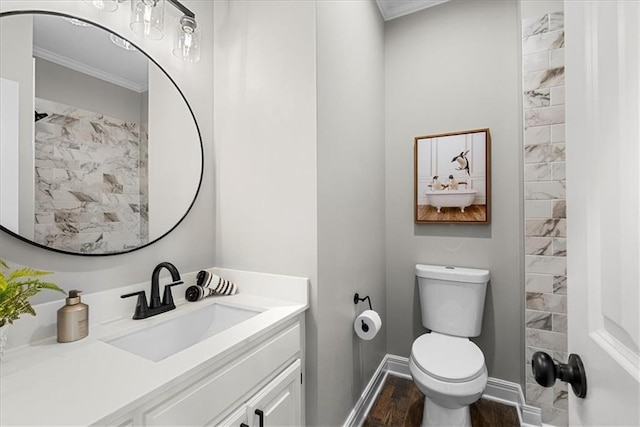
445,365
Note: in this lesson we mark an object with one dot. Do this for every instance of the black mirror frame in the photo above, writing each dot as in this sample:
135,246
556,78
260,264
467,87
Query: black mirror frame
195,196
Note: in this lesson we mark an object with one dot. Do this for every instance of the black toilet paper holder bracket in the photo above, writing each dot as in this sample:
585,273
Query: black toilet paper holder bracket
357,299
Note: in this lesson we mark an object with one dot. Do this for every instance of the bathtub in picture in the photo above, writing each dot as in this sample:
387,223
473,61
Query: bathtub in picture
451,198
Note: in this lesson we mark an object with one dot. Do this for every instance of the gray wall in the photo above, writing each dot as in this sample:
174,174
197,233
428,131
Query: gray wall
351,256
300,171
66,86
265,148
448,68
189,246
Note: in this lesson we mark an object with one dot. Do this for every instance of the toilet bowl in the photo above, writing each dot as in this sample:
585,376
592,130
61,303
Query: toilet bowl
451,373
445,365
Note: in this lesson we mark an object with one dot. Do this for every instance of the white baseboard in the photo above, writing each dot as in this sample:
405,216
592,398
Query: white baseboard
368,396
497,390
511,394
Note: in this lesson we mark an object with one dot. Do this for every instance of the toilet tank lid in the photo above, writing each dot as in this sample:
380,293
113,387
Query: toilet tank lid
457,274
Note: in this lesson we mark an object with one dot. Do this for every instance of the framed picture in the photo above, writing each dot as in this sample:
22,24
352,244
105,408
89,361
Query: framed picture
452,178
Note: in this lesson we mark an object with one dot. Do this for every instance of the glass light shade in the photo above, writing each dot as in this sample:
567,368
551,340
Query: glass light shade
147,18
187,43
103,5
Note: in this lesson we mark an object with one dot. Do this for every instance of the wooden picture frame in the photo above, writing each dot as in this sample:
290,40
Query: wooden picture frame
452,178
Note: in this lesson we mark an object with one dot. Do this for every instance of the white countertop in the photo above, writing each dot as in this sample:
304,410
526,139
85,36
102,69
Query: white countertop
79,383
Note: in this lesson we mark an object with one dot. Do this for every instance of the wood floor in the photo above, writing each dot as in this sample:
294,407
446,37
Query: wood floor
473,213
400,403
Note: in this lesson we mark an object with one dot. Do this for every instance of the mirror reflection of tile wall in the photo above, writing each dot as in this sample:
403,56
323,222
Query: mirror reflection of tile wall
90,181
545,206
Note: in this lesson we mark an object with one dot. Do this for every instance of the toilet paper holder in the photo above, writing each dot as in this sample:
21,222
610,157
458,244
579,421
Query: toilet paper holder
357,299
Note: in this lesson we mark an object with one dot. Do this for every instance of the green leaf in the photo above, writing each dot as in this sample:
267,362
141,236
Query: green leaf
26,272
15,291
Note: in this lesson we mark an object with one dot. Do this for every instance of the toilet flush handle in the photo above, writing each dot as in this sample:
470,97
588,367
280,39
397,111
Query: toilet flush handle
546,371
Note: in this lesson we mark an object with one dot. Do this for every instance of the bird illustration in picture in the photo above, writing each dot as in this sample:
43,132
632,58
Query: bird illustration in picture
462,161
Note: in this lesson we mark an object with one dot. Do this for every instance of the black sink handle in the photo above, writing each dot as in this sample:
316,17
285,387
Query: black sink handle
142,308
167,297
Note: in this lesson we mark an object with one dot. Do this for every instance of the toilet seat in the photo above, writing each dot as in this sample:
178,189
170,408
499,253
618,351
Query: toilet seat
448,358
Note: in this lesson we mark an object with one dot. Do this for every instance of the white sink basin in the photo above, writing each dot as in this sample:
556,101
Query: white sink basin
160,341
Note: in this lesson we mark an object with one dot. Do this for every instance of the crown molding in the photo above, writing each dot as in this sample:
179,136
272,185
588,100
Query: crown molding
86,69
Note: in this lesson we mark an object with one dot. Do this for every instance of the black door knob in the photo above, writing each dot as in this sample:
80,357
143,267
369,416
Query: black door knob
546,371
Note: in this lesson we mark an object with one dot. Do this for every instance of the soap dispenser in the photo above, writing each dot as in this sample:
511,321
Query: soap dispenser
73,319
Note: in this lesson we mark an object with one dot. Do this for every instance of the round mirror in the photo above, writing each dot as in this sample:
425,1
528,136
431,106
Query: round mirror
100,153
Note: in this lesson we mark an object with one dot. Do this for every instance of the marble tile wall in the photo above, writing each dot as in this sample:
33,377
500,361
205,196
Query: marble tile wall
143,168
545,206
88,195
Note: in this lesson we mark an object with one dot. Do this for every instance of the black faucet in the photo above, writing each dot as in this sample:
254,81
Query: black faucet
156,306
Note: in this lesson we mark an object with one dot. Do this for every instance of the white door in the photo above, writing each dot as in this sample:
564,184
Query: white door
603,196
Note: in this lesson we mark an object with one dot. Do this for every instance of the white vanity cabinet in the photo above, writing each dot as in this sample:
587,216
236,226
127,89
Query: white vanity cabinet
264,375
254,365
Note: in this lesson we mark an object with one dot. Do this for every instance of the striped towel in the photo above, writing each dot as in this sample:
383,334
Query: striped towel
208,284
216,284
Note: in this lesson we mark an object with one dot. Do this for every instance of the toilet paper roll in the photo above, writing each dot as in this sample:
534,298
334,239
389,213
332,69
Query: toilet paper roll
367,324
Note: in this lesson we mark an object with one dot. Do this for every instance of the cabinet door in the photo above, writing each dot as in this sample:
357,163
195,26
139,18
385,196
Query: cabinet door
279,403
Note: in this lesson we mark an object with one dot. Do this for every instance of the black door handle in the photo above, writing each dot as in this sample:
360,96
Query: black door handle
244,425
546,371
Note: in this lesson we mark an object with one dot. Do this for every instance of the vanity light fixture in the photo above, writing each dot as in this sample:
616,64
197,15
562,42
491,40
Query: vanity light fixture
147,20
187,44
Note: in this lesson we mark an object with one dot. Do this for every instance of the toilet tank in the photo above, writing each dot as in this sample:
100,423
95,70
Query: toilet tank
452,298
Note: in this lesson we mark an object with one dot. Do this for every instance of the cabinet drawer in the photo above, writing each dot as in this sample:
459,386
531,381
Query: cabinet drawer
205,399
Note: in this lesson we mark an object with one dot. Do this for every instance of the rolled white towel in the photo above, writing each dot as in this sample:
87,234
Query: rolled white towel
196,293
215,284
203,278
222,286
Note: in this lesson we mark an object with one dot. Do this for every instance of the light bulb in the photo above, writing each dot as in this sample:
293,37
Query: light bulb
148,9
